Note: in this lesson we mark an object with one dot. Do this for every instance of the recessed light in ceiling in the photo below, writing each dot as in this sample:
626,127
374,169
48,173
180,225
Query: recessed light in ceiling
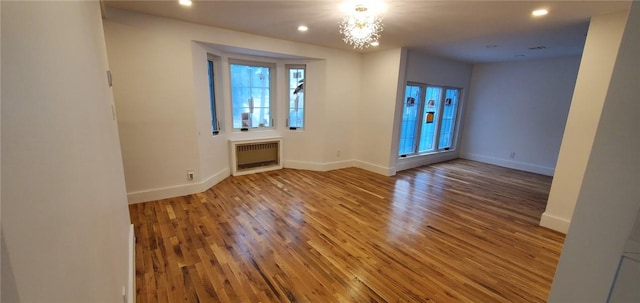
539,12
491,46
185,2
303,28
375,43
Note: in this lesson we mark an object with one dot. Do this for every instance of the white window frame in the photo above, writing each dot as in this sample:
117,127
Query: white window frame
440,110
216,97
272,92
288,68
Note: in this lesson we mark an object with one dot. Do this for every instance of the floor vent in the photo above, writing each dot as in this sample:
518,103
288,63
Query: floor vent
256,156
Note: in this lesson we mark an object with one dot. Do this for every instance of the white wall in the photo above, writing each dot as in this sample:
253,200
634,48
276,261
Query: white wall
153,90
592,84
339,102
635,234
65,220
375,120
162,101
1,234
519,107
427,69
209,147
609,198
424,68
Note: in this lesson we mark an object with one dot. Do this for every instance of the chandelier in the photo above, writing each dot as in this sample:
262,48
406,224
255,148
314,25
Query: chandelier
361,27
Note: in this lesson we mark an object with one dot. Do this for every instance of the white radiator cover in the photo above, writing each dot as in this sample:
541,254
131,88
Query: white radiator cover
256,155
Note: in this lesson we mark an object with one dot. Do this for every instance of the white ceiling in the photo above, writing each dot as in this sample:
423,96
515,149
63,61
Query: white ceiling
459,30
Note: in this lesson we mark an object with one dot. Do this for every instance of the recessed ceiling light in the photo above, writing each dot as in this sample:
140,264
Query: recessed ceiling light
185,2
303,28
491,46
375,43
539,12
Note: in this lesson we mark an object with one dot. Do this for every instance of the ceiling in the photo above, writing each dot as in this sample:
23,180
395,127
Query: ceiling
472,31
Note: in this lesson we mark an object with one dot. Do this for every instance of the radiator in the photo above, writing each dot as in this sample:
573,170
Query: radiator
255,156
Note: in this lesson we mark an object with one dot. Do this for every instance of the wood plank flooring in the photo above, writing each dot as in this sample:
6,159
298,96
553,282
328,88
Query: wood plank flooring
459,231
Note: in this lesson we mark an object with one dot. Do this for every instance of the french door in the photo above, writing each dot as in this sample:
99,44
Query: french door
428,119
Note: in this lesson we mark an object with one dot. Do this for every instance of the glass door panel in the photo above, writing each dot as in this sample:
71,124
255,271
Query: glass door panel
430,119
449,111
410,111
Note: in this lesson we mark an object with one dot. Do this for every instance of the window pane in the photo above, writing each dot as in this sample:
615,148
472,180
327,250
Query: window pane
296,96
430,119
212,96
428,126
448,118
409,115
250,96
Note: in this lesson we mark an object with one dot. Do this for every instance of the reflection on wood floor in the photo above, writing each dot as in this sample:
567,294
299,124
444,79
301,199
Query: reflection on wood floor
459,231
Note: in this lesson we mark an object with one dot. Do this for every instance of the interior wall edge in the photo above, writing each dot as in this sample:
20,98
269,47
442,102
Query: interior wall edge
554,222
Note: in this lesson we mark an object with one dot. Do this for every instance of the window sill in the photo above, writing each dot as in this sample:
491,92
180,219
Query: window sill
253,129
262,133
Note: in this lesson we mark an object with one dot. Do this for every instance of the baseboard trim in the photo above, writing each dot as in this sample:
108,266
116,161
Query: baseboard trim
555,223
547,171
193,188
177,190
316,166
337,165
386,171
213,180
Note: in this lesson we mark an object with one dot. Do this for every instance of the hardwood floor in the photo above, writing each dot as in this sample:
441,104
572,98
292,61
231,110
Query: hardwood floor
459,231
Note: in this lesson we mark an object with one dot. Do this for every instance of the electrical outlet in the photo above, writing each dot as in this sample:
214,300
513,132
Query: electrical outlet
512,155
338,154
190,175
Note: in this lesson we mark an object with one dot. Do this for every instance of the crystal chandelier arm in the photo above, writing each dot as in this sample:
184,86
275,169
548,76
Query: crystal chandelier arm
361,28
